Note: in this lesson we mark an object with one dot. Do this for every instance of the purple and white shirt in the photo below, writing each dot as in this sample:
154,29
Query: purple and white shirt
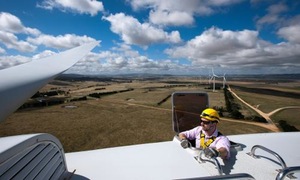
220,141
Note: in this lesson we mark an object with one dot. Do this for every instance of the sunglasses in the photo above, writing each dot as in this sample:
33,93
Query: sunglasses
206,115
205,122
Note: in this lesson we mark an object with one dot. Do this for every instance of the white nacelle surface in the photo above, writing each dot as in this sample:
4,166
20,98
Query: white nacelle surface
168,160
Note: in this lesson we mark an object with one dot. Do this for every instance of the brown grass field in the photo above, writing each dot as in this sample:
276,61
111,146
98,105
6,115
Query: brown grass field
131,117
270,102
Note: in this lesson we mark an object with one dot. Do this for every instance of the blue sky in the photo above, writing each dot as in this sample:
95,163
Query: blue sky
156,36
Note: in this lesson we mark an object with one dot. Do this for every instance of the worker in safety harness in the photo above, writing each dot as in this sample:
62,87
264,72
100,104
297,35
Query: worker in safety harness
207,135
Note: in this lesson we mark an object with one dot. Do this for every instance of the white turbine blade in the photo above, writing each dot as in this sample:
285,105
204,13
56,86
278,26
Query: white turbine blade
214,73
210,79
214,84
20,82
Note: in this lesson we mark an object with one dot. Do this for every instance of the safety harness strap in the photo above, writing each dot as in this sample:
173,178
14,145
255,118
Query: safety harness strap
206,144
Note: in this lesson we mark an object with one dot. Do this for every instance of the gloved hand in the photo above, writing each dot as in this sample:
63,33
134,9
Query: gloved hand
211,153
184,143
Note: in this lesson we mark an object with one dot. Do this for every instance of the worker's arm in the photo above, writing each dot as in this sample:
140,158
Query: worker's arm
223,152
181,136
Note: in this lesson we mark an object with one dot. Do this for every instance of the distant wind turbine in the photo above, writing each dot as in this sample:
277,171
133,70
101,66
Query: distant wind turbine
213,78
224,80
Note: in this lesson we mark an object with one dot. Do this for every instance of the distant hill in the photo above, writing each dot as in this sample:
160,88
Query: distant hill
144,76
264,77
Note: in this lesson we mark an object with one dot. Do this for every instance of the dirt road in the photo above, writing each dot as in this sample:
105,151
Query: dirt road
271,124
271,127
281,109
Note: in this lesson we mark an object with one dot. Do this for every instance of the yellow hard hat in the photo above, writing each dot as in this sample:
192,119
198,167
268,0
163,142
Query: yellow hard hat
210,114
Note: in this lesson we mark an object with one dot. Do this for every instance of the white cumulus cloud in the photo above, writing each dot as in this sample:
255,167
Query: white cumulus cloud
60,42
236,49
125,60
10,27
9,61
177,12
13,24
214,42
12,42
133,32
174,18
91,7
290,33
274,15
